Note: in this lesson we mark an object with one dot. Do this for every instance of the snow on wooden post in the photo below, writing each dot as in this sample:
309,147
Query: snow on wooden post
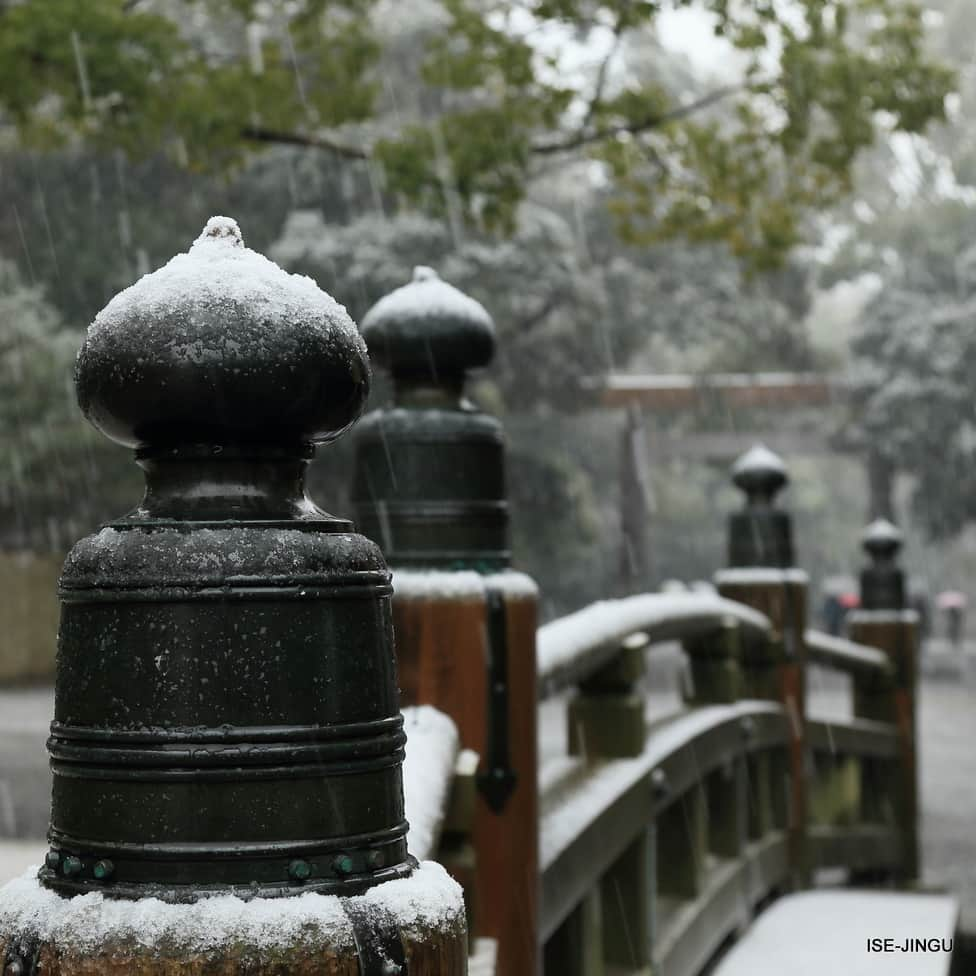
716,678
227,743
883,621
606,719
714,666
762,575
429,487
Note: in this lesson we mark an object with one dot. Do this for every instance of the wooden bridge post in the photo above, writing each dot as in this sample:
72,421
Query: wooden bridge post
226,712
884,622
429,487
716,679
762,575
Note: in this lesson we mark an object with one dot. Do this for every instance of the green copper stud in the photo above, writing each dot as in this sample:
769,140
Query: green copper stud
375,860
71,866
342,864
52,860
299,870
103,870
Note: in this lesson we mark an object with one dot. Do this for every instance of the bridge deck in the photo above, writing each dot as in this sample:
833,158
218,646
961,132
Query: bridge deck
820,932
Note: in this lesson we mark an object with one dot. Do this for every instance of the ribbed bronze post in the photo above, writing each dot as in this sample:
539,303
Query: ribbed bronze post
429,481
429,487
226,713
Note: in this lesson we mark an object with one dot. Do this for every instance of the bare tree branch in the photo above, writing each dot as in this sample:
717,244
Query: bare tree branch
575,141
582,138
601,77
540,314
259,134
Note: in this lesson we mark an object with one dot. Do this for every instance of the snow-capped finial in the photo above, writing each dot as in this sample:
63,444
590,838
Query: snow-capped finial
221,346
760,534
882,540
429,329
761,474
224,229
882,580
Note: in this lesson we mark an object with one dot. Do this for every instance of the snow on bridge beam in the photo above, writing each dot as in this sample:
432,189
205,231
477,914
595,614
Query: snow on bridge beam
684,391
726,445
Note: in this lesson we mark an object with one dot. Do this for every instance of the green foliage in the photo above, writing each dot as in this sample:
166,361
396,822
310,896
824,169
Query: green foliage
186,76
789,144
743,164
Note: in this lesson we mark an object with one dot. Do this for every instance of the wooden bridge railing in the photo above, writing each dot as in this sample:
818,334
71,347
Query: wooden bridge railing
651,841
853,822
574,647
660,839
657,836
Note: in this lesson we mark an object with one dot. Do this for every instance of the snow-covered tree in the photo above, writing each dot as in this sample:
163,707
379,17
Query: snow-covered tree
50,479
914,370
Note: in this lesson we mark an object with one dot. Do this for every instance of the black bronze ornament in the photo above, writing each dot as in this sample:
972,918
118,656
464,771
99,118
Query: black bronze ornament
882,581
226,714
760,534
429,482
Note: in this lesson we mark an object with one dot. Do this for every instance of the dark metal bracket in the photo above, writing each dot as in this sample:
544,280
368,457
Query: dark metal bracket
21,957
378,943
498,780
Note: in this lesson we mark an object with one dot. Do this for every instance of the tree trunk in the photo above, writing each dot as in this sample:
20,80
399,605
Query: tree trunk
635,496
881,482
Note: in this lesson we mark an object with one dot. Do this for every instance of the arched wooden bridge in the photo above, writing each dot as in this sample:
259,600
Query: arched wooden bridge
593,832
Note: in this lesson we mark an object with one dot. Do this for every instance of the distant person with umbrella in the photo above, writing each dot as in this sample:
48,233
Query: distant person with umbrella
953,602
848,602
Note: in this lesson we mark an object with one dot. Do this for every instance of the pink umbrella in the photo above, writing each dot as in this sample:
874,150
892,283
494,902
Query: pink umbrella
951,600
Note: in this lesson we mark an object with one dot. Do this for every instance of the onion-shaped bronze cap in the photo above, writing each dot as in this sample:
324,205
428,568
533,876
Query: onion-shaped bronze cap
429,327
760,534
882,540
761,474
221,346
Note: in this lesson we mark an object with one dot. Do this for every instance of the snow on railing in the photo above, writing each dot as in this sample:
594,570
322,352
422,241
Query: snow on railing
428,770
845,655
574,646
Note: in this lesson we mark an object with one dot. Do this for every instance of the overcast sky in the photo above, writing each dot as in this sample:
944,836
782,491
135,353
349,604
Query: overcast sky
690,31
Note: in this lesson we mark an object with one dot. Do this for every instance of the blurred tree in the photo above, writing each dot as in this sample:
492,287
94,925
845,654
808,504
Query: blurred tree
492,100
86,225
44,447
551,312
570,304
914,349
915,363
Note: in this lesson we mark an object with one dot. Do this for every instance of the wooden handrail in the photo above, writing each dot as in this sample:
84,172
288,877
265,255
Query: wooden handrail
575,646
848,656
599,848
